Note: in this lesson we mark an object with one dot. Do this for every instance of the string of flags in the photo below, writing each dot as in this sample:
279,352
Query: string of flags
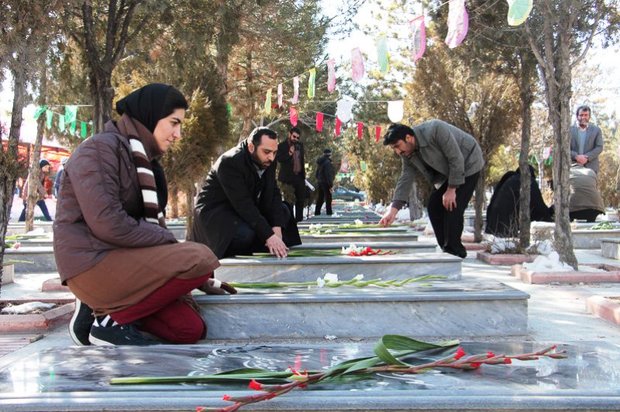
458,25
67,120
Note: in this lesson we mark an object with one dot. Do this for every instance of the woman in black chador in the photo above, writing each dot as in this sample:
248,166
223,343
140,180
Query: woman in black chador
503,209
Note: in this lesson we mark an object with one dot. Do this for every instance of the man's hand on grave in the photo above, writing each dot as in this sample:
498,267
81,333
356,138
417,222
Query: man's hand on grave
389,217
276,246
449,199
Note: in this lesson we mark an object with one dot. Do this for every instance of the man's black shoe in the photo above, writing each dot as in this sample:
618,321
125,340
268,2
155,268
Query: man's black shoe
80,324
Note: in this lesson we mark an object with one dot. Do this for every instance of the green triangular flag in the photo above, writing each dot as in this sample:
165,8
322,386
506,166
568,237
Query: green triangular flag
311,82
39,111
83,130
61,123
382,54
518,11
71,117
49,118
229,109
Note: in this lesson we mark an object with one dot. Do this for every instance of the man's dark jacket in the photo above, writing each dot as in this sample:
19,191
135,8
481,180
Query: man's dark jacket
325,172
283,157
234,191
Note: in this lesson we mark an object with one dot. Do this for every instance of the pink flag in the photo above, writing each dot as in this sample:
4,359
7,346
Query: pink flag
338,126
377,133
280,95
331,75
319,122
295,98
357,64
418,34
458,23
293,115
360,130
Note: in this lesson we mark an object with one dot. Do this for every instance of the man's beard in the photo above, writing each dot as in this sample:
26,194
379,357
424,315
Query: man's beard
258,162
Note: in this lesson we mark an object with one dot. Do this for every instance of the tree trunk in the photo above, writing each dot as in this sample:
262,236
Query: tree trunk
34,175
527,97
479,206
8,159
102,93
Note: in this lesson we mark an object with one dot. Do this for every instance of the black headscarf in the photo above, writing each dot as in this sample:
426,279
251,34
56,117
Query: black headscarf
151,103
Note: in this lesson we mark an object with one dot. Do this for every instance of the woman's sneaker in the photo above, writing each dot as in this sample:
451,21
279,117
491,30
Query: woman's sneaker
106,332
81,322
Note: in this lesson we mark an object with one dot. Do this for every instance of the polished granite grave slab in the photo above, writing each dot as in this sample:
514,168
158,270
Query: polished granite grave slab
302,269
398,247
583,236
32,259
77,379
399,236
429,308
610,248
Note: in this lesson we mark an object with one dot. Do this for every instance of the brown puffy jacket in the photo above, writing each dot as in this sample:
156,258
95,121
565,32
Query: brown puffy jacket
100,205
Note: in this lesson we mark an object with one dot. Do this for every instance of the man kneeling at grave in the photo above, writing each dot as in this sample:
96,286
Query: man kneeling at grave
239,209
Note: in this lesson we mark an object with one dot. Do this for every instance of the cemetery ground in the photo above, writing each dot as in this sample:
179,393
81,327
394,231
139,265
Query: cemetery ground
42,370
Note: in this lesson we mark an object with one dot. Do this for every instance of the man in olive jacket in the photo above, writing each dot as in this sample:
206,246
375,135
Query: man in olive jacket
240,209
292,169
450,160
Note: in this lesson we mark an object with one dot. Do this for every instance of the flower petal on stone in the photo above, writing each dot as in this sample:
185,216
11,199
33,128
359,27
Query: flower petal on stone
257,386
330,277
460,352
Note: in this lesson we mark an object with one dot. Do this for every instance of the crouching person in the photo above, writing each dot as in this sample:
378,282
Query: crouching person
127,271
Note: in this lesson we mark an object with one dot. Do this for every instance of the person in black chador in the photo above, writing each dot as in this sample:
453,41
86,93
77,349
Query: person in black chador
503,209
325,181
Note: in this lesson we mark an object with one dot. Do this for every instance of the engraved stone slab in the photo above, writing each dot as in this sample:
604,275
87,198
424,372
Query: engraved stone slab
610,248
437,309
361,237
398,247
303,269
77,379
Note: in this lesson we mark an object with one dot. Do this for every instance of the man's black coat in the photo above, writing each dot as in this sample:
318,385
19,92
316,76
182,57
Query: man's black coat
233,190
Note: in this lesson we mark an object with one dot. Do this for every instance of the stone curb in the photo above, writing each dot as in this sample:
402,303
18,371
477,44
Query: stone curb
528,276
504,258
604,308
473,246
37,322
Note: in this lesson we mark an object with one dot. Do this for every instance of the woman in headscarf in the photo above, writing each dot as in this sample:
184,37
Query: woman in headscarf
127,271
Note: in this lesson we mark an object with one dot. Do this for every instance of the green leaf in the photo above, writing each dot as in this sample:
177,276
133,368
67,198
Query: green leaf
406,345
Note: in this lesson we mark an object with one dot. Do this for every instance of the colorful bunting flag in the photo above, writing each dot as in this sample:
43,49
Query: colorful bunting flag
418,35
360,130
382,54
331,75
311,82
319,122
61,123
83,130
295,98
280,95
39,111
357,65
377,133
229,109
344,110
458,23
293,115
396,110
268,102
49,118
518,11
338,127
363,166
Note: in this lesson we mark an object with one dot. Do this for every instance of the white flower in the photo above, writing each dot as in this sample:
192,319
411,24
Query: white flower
330,277
320,282
358,222
358,277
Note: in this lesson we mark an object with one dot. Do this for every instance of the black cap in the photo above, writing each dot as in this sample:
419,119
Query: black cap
327,151
43,163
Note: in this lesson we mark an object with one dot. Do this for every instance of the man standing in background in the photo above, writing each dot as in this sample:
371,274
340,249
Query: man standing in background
586,140
292,169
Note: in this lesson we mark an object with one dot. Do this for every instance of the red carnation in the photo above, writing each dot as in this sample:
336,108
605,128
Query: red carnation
257,386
